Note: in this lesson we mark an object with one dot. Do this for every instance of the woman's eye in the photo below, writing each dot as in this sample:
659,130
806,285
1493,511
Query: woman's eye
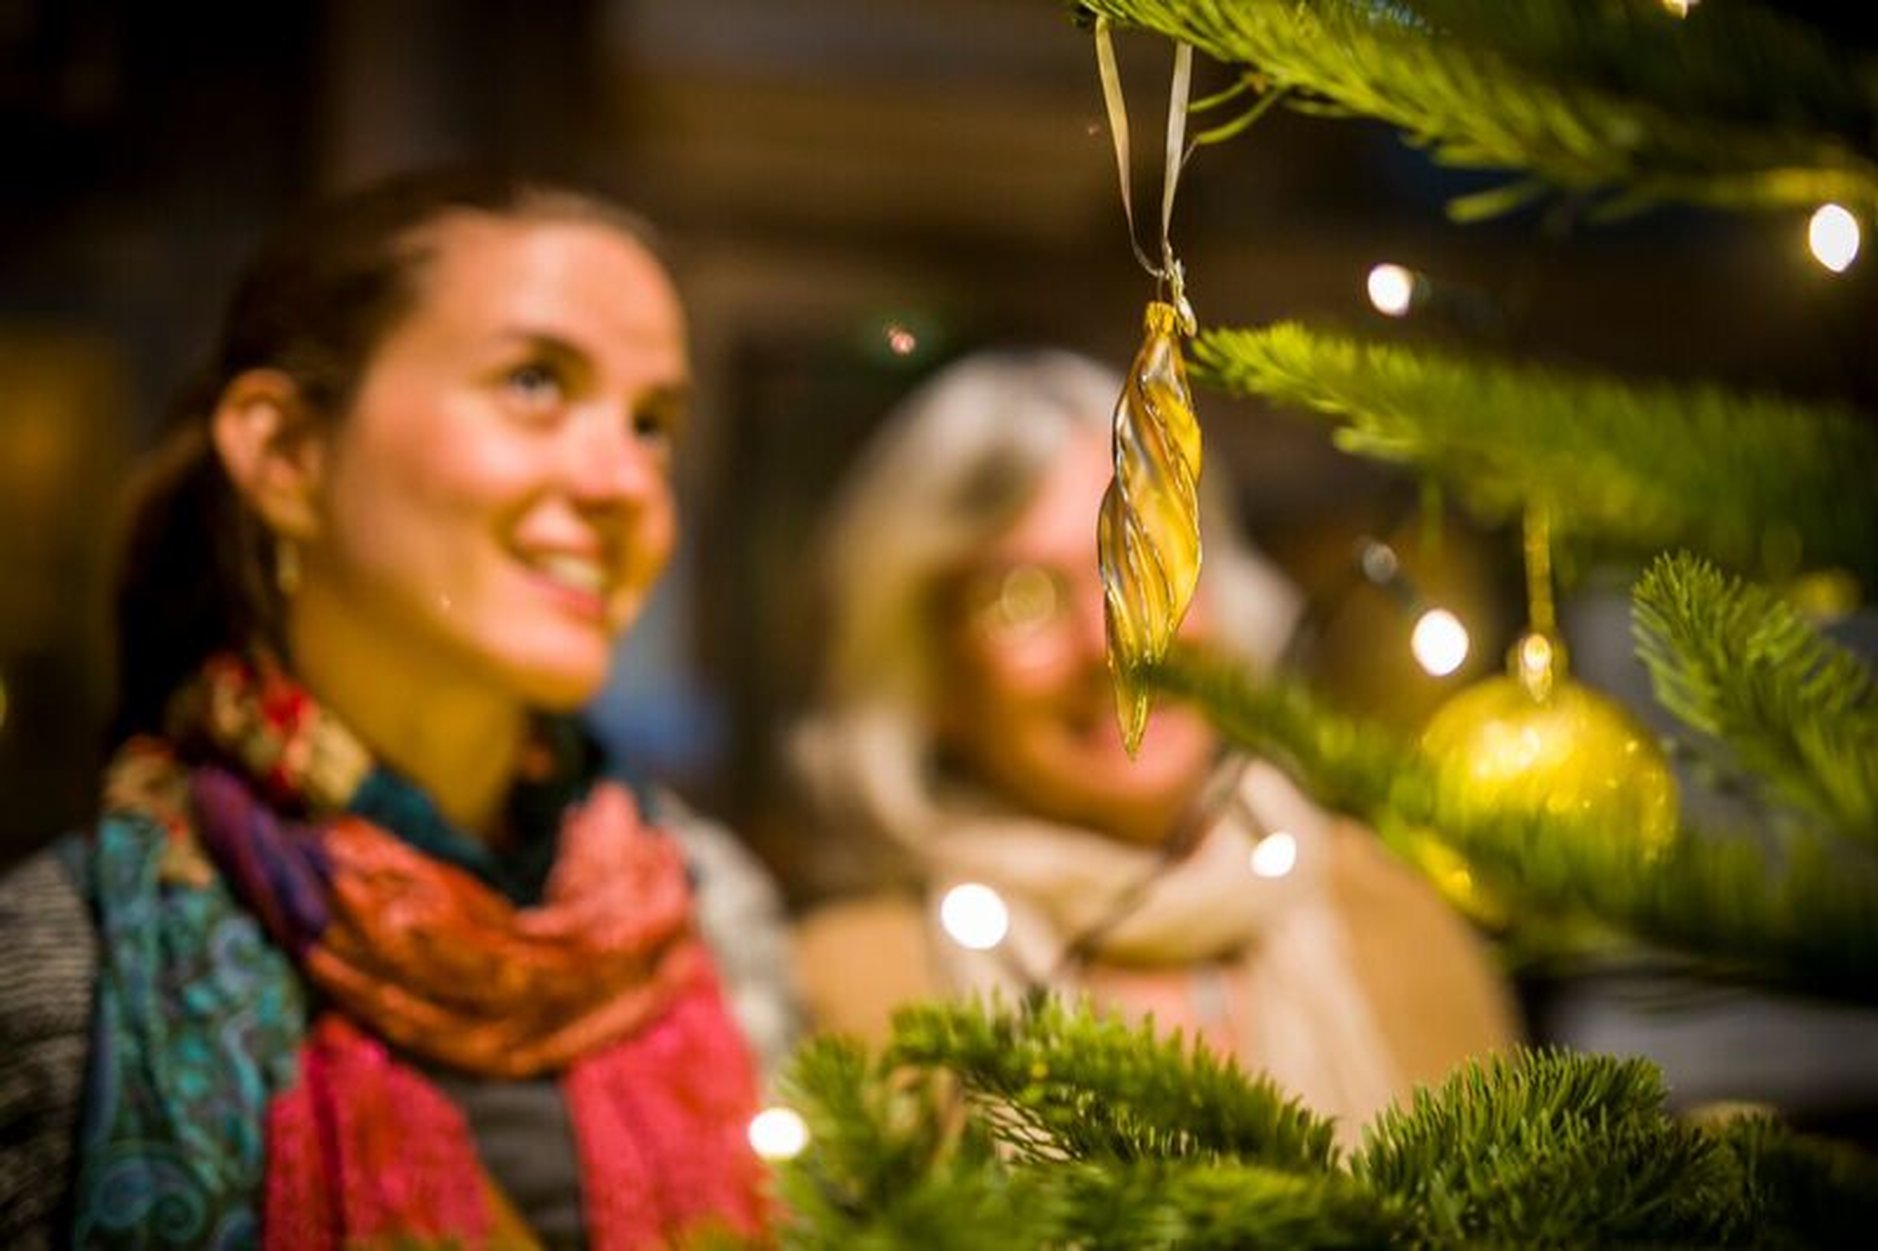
536,385
1016,601
654,423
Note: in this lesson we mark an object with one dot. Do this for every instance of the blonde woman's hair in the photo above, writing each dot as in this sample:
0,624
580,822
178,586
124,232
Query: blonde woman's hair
949,471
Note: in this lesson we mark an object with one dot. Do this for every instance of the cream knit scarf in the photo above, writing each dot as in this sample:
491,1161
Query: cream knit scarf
1297,1011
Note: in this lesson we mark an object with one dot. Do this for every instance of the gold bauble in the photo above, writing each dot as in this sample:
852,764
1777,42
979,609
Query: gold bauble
1535,741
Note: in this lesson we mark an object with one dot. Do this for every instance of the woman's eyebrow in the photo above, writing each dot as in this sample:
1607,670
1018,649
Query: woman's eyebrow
545,342
676,392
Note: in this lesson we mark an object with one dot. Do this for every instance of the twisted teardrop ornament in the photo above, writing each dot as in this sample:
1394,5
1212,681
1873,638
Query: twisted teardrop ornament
1148,537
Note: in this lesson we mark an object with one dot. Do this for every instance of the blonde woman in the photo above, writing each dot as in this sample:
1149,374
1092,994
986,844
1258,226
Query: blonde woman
967,720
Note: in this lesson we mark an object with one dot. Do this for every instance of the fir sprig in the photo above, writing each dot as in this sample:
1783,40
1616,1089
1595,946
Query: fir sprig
892,1164
1348,764
1231,1206
1802,915
890,1167
1785,708
1817,1193
1639,465
1542,1148
1799,918
1064,1083
1739,111
1533,1148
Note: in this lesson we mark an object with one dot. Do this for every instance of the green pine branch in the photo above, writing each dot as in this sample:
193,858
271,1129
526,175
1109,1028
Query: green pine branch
1802,915
1785,708
1644,466
893,1163
1348,764
1534,1148
1811,1192
1230,1206
1068,1084
1544,1148
891,1167
1797,917
1739,109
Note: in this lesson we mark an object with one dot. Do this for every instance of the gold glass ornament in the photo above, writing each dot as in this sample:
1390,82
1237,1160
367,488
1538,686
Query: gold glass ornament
1148,536
1536,741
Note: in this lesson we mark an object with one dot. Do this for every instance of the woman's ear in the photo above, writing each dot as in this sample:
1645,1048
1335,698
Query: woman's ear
270,446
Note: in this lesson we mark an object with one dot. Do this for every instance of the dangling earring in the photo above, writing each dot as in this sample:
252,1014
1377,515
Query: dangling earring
286,567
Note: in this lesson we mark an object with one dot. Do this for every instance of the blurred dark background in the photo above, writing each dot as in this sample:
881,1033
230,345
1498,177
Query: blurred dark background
853,191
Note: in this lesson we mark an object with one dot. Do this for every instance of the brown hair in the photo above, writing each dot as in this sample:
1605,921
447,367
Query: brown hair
196,572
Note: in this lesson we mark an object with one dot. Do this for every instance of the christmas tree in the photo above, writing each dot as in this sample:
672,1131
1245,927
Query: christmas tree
1019,1125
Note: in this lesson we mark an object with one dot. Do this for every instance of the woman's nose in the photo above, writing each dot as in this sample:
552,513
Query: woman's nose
609,463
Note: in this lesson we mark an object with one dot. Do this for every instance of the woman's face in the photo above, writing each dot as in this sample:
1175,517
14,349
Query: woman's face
499,497
1026,699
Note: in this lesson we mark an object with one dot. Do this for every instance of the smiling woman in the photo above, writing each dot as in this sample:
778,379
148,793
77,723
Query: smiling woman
968,719
380,949
497,502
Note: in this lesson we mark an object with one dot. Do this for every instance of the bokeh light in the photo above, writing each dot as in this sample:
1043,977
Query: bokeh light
1439,642
974,916
1833,237
1275,855
778,1133
1392,290
1379,562
901,341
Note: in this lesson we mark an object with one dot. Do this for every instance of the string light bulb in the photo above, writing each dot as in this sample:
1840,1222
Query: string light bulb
1379,562
1275,855
1439,642
1832,235
974,916
1680,7
1392,289
778,1133
901,340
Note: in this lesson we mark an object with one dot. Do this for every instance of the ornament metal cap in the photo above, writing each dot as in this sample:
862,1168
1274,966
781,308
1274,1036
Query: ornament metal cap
1538,663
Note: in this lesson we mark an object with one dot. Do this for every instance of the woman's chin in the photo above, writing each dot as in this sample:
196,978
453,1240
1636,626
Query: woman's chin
1095,782
558,685
1174,744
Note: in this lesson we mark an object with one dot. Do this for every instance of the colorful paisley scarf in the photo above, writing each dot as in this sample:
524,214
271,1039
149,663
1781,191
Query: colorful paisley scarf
276,965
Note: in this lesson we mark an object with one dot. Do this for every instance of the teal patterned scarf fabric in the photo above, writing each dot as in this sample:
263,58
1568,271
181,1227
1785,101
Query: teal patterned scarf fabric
195,1027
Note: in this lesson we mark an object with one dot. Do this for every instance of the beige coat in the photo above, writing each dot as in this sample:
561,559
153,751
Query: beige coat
1429,981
